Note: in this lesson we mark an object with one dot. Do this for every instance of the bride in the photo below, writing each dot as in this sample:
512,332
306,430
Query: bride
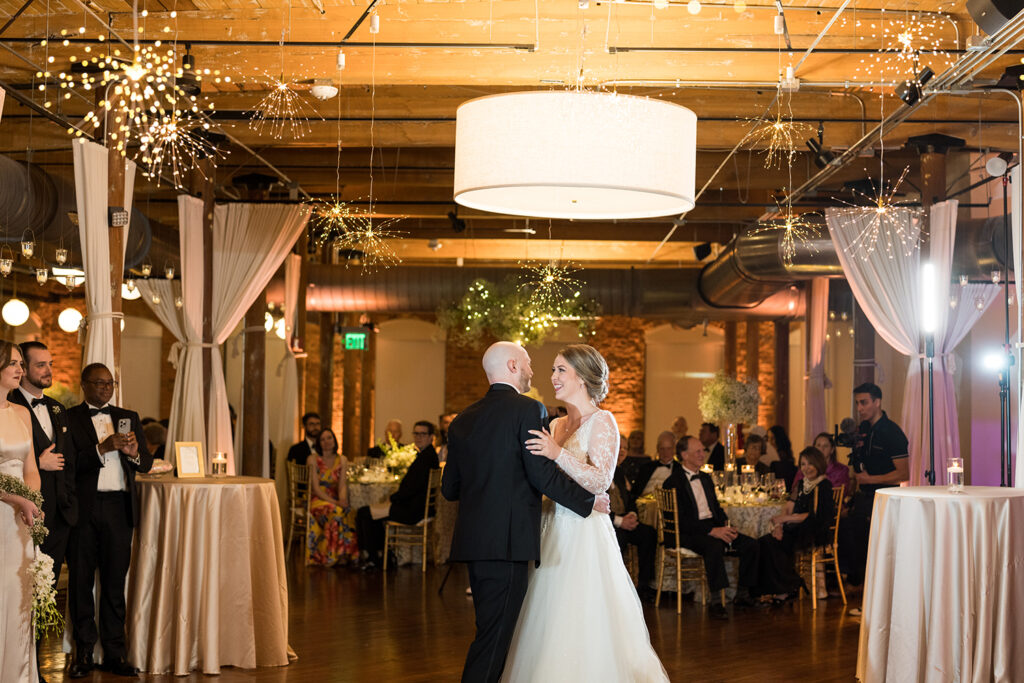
17,647
581,619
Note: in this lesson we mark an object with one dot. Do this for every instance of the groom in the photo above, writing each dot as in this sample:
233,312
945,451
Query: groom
499,486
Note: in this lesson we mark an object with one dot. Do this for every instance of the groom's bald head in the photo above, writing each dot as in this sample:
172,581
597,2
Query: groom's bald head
509,363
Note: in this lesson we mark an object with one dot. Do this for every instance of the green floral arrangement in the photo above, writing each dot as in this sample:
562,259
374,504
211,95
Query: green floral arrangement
509,311
726,399
398,459
45,616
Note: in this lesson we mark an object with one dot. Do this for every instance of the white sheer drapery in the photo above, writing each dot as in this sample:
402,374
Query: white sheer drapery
887,287
249,243
815,381
286,432
186,420
91,188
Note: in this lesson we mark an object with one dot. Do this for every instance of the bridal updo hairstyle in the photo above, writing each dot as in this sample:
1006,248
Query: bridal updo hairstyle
590,366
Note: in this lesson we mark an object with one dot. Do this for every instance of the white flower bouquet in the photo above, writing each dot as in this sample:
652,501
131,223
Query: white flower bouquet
398,459
45,616
726,399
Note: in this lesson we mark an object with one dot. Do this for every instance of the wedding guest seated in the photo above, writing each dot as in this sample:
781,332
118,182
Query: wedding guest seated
331,537
680,428
156,438
392,432
709,436
753,452
654,473
802,524
442,435
636,459
407,503
770,454
704,529
837,472
299,453
785,467
629,530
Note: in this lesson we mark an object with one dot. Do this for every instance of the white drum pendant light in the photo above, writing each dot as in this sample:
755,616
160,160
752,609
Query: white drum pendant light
576,155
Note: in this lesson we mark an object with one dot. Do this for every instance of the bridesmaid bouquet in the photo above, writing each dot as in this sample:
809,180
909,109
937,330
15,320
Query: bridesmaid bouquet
17,487
45,615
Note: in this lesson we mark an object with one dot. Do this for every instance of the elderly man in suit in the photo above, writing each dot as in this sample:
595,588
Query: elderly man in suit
55,461
109,448
704,528
654,473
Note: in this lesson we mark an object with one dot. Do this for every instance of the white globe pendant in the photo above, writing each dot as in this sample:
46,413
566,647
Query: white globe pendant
575,155
15,312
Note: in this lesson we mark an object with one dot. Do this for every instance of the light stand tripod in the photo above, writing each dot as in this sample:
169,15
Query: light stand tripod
1005,430
929,352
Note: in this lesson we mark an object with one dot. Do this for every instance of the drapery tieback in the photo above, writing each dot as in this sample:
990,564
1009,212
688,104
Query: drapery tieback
816,373
174,357
83,325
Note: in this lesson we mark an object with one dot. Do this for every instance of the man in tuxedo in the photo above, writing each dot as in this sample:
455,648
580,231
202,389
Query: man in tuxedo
408,502
498,484
55,462
109,447
636,459
629,530
704,529
716,451
654,473
311,426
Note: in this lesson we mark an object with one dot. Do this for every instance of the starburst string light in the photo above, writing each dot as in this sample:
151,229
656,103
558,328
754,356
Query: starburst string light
796,229
886,225
370,243
905,41
778,136
174,145
549,285
282,111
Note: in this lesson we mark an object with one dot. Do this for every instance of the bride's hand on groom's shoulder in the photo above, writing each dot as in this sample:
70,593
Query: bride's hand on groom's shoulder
543,444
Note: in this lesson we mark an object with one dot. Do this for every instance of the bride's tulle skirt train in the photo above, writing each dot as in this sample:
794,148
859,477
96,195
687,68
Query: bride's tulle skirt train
581,619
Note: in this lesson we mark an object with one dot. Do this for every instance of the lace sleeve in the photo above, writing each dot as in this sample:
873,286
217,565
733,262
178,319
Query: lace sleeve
595,475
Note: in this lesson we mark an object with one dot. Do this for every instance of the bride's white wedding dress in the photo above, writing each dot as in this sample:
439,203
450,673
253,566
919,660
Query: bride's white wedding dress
581,619
17,646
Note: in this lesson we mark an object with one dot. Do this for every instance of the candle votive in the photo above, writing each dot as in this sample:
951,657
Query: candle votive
747,469
707,468
955,474
219,466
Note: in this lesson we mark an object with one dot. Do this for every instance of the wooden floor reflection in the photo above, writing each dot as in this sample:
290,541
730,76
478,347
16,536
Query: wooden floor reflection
347,626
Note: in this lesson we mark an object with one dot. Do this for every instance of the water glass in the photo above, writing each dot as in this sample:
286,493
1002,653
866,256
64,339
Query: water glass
955,474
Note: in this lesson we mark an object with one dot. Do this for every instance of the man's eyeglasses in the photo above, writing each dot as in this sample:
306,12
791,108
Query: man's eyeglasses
102,383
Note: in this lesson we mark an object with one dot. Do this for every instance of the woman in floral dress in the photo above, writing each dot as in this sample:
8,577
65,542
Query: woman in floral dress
331,538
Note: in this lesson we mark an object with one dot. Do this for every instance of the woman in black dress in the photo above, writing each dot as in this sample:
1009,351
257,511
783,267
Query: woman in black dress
785,467
803,524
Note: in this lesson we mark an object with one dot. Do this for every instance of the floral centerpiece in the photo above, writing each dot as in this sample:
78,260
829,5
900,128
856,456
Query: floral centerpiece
45,616
398,458
724,398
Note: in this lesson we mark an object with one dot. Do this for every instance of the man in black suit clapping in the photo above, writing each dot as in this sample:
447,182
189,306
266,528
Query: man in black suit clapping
109,448
704,528
498,484
55,461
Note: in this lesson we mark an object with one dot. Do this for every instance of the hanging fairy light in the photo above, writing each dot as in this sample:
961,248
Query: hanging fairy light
371,241
550,285
890,227
905,41
778,135
174,145
282,111
795,228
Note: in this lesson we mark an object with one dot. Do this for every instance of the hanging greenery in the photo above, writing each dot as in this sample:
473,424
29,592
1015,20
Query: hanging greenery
509,311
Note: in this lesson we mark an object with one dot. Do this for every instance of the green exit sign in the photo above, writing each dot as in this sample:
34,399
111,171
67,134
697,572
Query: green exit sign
355,341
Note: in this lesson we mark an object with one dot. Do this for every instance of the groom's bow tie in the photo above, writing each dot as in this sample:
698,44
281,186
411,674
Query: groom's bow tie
93,412
38,402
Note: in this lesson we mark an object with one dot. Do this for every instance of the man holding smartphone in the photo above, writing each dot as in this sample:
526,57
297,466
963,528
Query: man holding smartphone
109,448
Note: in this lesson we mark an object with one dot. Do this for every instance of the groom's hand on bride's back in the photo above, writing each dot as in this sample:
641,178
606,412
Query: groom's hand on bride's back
602,503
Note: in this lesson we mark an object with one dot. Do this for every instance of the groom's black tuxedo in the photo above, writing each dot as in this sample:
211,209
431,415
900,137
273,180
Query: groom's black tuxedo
498,484
60,506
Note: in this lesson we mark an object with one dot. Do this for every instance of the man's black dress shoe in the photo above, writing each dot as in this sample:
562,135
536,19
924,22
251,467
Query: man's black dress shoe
82,664
717,611
743,601
120,666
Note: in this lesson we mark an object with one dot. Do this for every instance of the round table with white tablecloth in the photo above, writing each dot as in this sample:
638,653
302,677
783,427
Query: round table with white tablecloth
944,593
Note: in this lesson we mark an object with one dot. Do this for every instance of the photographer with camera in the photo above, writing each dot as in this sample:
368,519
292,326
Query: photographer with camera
879,459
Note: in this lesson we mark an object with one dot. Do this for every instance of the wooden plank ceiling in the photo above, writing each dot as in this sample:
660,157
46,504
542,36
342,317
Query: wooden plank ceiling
394,118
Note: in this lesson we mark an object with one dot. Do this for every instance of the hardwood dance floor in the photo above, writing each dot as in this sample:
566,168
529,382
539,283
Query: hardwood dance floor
347,626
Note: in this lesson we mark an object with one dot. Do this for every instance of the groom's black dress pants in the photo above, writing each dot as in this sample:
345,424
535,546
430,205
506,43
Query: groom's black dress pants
498,591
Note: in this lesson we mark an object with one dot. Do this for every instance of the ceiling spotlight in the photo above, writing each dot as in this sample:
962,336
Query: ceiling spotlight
822,157
910,91
458,225
434,244
693,7
323,89
702,251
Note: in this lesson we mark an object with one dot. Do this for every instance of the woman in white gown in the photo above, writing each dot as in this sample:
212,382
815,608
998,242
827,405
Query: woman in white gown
581,619
17,643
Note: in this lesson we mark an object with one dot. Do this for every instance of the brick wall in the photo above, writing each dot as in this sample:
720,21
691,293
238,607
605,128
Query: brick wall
622,342
464,380
312,347
67,354
765,367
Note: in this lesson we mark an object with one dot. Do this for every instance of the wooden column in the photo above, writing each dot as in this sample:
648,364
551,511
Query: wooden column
730,348
863,347
367,394
254,364
933,177
299,335
115,236
782,373
325,393
753,350
352,437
